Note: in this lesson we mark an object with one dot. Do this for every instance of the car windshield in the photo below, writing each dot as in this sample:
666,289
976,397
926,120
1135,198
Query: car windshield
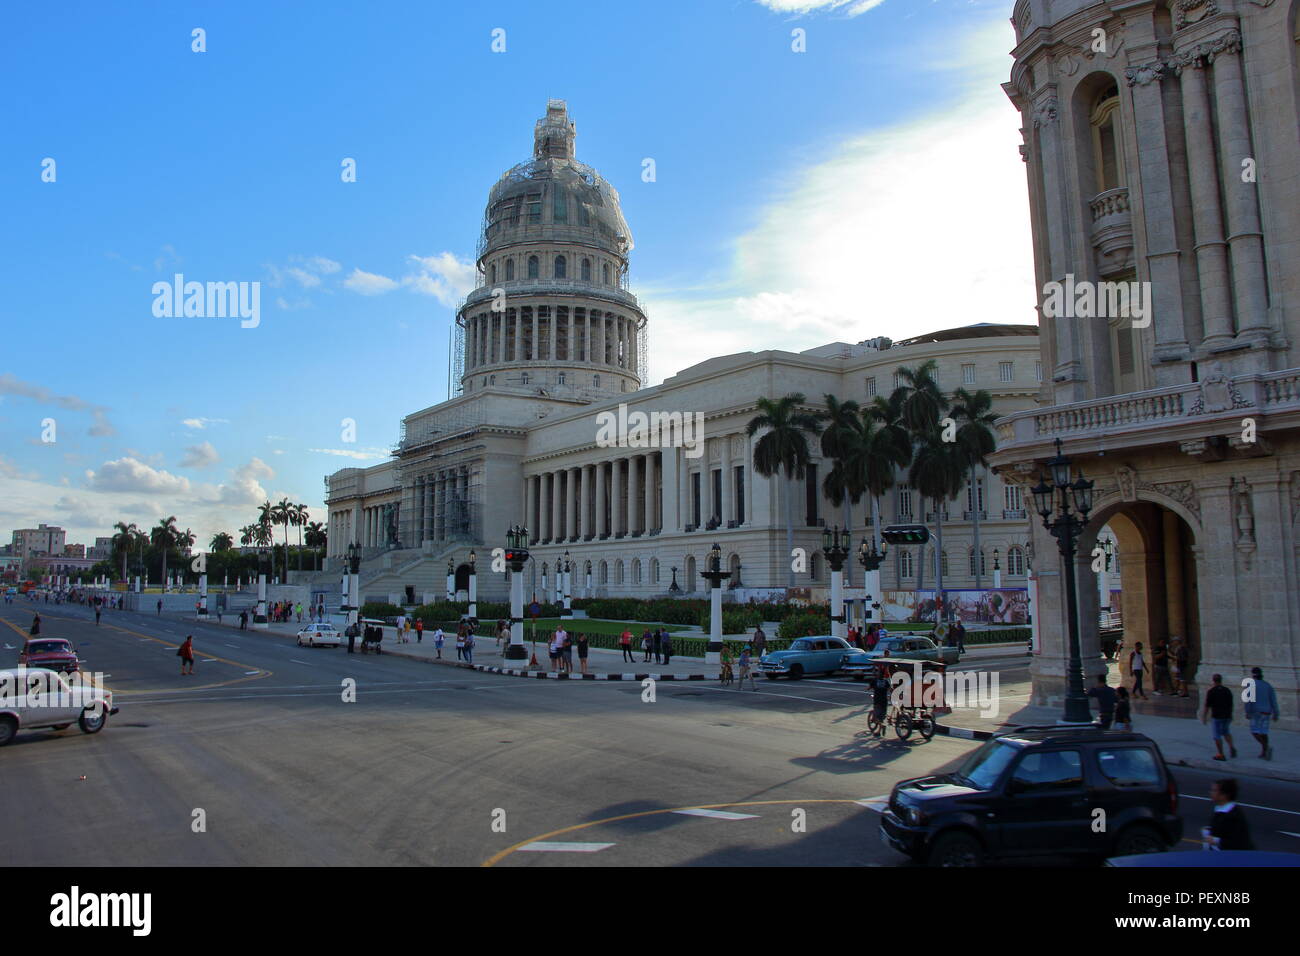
801,646
47,647
983,768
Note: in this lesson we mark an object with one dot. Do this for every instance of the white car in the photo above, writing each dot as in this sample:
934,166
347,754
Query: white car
319,635
33,697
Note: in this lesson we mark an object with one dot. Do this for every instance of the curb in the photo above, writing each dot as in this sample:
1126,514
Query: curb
946,731
548,675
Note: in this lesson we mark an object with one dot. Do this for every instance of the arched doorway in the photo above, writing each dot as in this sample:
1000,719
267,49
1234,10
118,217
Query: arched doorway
462,579
1157,570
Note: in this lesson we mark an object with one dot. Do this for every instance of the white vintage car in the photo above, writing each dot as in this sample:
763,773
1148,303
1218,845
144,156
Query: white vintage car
35,697
319,635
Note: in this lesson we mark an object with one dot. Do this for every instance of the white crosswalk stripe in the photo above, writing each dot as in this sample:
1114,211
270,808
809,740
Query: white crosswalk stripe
552,846
718,814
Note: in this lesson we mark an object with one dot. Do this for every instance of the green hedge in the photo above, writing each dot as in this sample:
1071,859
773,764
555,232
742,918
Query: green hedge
378,610
801,625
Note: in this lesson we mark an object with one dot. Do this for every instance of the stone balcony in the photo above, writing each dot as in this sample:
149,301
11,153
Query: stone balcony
1112,232
1188,415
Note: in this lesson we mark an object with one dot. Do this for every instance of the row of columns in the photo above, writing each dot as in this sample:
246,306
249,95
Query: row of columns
635,494
432,496
551,333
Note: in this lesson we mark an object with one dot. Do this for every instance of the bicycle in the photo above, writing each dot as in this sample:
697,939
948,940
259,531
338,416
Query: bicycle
903,722
726,677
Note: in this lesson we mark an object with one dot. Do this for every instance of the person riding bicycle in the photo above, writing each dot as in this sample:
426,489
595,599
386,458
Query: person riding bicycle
880,700
726,676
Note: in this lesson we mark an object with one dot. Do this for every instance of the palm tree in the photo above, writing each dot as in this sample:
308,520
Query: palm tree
221,541
920,405
881,446
783,447
247,534
938,468
124,540
316,538
300,516
843,423
974,417
163,536
282,513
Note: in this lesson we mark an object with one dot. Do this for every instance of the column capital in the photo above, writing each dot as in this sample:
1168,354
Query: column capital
1206,52
1145,73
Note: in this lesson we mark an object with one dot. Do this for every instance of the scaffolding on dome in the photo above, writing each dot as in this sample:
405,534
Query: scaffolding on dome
642,353
455,357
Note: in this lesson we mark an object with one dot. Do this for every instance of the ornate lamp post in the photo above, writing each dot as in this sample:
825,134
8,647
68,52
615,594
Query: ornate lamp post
566,587
997,568
203,590
674,588
871,559
1065,518
1103,578
516,558
259,614
451,580
715,576
473,587
352,585
835,548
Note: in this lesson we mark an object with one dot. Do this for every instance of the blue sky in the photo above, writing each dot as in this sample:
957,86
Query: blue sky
800,198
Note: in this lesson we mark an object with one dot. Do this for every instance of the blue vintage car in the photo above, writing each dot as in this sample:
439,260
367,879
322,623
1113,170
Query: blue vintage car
818,654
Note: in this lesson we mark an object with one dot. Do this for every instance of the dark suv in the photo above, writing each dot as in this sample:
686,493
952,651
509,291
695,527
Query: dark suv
1037,791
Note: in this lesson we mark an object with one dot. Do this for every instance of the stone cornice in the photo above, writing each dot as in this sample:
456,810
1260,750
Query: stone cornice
1205,53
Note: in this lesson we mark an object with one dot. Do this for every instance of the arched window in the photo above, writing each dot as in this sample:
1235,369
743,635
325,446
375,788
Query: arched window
943,561
523,379
604,572
533,267
983,569
561,267
510,269
1106,144
618,571
605,273
586,270
595,380
636,570
492,272
905,564
559,207
1015,561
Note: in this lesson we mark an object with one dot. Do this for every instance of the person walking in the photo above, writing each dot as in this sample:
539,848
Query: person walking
419,630
583,647
97,612
438,639
298,609
503,636
469,646
460,643
243,620
352,638
1182,658
566,653
186,654
35,629
759,642
1104,695
625,642
1261,707
646,643
1228,829
746,665
1218,707
1123,710
666,645
657,643
959,632
160,607
1137,667
1160,668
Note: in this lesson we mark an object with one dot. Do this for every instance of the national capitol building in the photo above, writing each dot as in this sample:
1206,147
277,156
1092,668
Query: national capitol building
551,338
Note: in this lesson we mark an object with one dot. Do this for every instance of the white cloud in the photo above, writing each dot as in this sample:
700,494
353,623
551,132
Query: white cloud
202,455
364,454
445,277
11,385
129,474
900,230
307,271
368,283
246,487
855,7
201,423
9,469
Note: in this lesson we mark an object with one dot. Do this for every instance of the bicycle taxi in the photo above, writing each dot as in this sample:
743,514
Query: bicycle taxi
915,696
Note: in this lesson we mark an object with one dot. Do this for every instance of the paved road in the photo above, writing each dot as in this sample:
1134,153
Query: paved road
429,763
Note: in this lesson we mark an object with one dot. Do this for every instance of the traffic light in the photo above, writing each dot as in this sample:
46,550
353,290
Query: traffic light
906,534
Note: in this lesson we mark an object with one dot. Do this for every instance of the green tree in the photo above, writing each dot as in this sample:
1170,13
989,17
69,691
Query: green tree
882,446
163,537
921,405
783,447
843,424
973,415
221,541
127,537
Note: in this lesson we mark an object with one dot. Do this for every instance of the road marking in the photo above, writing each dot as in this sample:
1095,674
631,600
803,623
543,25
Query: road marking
554,847
717,814
296,661
1253,806
235,646
208,660
252,672
1288,833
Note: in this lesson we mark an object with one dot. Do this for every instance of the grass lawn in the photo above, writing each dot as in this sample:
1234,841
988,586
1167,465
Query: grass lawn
594,625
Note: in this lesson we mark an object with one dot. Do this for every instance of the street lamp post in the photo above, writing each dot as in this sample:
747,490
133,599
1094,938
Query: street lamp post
1065,518
871,559
473,587
203,596
259,614
566,586
674,588
516,558
997,568
352,585
835,548
715,576
451,580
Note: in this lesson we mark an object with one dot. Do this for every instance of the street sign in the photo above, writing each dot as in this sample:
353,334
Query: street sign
535,609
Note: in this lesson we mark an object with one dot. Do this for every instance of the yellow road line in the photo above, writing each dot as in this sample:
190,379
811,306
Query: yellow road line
498,857
262,672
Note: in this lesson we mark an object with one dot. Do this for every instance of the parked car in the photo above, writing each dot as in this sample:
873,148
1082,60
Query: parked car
51,652
818,654
34,697
319,635
1035,792
914,648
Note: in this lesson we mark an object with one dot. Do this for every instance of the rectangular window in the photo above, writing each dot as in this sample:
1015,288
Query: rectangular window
968,374
715,477
695,498
811,495
1004,371
975,495
559,208
904,502
871,386
534,207
898,380
1038,371
740,494
1011,495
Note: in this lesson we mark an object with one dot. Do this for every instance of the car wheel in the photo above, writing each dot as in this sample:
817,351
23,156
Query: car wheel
903,726
955,849
796,672
92,719
8,730
926,726
1139,838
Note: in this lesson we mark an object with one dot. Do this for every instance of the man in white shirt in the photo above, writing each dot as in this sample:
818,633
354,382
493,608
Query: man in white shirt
557,646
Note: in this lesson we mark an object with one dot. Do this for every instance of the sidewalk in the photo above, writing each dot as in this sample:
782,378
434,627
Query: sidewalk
1184,741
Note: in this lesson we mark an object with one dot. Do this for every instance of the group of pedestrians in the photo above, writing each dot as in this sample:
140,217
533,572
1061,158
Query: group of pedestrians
656,642
561,646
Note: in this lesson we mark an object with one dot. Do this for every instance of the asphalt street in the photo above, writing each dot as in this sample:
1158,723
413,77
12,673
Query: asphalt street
264,758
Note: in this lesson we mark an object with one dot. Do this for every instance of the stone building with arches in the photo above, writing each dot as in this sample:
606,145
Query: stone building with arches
1162,147
550,341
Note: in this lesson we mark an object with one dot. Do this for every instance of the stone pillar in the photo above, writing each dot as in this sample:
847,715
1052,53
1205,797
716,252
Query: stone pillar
633,494
599,524
530,507
585,520
725,511
618,509
651,495
537,332
586,336
571,508
671,520
557,517
428,507
1175,605
1211,251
